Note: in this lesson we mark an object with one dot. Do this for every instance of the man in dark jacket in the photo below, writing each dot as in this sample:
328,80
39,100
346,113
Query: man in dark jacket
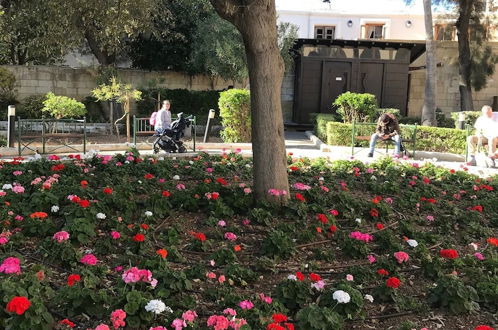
387,129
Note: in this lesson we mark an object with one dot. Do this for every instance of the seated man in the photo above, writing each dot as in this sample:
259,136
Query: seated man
387,129
486,133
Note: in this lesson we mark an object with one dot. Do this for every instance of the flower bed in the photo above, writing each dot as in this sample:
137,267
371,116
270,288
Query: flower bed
128,242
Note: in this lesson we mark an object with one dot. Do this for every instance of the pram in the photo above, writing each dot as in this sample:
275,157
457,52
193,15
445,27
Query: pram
169,139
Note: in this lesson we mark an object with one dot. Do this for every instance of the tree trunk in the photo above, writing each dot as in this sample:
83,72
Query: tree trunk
257,23
102,56
462,25
429,109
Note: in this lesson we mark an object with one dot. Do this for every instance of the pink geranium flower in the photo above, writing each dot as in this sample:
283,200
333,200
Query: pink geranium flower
117,318
189,316
11,265
246,304
401,257
230,236
61,236
89,259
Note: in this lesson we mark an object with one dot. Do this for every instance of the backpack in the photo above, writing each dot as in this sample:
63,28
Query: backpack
152,119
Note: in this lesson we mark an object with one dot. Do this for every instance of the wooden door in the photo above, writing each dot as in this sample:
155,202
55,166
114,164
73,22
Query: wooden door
309,87
336,79
370,79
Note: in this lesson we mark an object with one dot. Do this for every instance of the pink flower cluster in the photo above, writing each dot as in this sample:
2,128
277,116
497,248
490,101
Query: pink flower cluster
220,322
361,236
230,236
401,257
276,192
11,265
117,318
134,275
301,186
61,236
265,299
246,304
89,259
189,316
17,188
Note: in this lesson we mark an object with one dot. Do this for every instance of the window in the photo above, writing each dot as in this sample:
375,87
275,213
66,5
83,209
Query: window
373,31
324,32
444,32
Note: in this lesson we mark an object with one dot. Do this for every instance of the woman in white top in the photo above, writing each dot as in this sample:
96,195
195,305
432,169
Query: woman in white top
163,118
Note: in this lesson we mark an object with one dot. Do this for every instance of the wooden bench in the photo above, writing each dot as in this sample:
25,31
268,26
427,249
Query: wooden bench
411,140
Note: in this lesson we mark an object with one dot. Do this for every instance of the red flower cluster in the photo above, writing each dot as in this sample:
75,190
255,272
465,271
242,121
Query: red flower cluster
84,203
83,183
198,236
428,200
379,226
393,282
334,212
322,218
139,238
72,279
57,168
279,323
448,254
149,176
483,327
38,215
477,208
377,199
300,197
67,322
222,181
374,213
18,305
333,228
426,180
493,241
315,277
383,272
166,193
294,168
300,276
107,191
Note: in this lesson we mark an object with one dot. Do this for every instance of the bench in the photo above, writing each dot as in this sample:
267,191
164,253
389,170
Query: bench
411,139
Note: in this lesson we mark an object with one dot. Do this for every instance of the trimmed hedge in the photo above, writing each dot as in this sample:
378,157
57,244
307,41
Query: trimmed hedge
470,117
434,139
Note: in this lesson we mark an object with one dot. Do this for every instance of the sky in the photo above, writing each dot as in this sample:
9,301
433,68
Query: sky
353,6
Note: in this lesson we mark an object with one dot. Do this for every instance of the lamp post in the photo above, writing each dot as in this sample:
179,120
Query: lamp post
11,122
208,125
461,120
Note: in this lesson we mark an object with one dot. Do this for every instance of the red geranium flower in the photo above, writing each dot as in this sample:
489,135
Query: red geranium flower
300,276
374,213
222,181
275,326
377,199
84,183
383,272
294,168
199,236
322,218
107,191
162,252
166,193
214,195
57,168
448,254
300,197
483,327
334,212
18,305
149,176
493,241
393,282
84,203
73,278
477,208
144,226
379,226
332,228
279,318
139,238
315,277
67,322
38,215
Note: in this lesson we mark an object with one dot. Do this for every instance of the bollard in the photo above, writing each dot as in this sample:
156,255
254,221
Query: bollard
208,125
11,123
461,120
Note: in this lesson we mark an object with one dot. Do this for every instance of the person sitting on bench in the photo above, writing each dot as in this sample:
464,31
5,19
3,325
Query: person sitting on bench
487,133
387,129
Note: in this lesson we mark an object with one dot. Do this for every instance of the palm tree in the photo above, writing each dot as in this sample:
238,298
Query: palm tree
429,109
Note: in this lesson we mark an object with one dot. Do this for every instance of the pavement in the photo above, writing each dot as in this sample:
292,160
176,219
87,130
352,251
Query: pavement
300,144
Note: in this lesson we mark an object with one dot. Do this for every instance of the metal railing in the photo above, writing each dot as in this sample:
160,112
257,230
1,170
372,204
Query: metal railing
30,131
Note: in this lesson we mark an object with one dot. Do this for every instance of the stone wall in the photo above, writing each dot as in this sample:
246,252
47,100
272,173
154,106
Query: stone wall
447,92
78,83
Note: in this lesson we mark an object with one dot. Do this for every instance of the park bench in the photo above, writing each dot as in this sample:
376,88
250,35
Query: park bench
357,128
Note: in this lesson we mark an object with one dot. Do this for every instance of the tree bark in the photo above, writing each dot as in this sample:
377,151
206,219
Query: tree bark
257,23
102,56
429,109
462,25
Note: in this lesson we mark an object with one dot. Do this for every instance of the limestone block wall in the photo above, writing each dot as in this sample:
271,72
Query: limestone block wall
79,82
447,92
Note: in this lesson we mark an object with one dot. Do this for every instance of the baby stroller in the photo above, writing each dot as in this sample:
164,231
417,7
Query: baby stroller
169,139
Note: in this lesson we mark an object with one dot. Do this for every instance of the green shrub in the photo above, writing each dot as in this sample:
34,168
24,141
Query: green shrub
356,107
380,111
31,107
450,292
7,92
410,120
63,107
470,117
435,139
321,125
442,121
235,112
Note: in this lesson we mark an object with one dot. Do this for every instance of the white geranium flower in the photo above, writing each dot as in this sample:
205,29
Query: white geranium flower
358,220
127,162
156,306
413,243
321,178
342,297
292,277
369,298
191,162
7,186
373,177
248,165
54,208
148,213
176,177
101,216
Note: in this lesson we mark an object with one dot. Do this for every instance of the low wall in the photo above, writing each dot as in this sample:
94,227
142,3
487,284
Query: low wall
79,82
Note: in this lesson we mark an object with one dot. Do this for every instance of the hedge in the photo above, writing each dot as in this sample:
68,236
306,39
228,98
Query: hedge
436,139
